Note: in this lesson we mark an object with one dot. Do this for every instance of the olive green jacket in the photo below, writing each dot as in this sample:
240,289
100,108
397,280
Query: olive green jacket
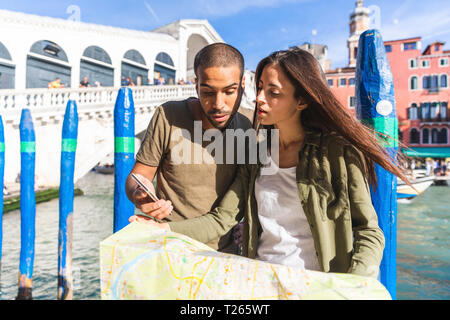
335,196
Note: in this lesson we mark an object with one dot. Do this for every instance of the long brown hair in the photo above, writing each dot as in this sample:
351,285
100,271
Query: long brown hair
325,112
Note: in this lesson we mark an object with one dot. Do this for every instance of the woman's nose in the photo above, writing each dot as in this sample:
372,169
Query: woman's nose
260,98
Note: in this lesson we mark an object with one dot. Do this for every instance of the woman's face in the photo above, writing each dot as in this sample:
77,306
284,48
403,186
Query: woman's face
275,99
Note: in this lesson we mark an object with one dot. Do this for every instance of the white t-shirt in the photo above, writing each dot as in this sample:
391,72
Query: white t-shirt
286,237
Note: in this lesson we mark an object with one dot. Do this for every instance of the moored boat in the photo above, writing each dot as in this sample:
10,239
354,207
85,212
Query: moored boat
421,184
105,169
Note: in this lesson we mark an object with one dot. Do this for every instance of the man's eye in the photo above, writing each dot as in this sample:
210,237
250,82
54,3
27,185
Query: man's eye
274,93
208,93
230,92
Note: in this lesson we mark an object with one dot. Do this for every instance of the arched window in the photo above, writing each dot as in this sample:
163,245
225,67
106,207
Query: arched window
412,112
434,136
425,136
434,84
413,83
164,58
443,136
194,44
49,49
414,136
425,108
443,81
426,82
46,62
135,68
434,109
7,69
443,111
96,66
98,54
134,55
164,71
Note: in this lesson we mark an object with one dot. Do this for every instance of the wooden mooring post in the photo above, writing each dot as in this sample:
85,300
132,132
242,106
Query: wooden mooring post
66,197
124,136
376,108
27,205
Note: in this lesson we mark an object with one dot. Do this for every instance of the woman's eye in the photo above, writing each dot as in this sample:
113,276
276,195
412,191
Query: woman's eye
274,93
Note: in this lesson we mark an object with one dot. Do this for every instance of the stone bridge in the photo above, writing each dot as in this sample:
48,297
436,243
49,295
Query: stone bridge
95,124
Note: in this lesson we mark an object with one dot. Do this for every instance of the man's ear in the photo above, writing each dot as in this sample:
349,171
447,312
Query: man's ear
196,86
243,83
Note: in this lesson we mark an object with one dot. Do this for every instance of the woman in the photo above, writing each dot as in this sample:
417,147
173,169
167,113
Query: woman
315,211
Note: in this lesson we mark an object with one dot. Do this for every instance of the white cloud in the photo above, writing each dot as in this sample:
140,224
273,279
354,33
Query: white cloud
414,23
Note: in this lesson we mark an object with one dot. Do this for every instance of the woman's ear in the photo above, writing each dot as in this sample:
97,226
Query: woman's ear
301,105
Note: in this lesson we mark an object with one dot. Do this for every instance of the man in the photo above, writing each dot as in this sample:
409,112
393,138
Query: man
56,84
85,83
191,189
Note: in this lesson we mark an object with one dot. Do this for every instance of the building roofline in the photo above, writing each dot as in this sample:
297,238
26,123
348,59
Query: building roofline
432,44
401,40
34,19
341,70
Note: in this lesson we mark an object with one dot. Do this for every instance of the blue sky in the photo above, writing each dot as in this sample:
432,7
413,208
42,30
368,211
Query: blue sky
258,27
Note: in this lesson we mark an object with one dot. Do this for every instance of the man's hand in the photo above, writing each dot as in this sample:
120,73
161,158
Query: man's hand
159,209
237,233
149,221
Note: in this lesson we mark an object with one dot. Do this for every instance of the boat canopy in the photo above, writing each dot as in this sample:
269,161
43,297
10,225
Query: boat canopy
436,152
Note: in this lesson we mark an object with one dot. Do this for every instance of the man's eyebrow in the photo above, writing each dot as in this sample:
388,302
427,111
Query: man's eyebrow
212,87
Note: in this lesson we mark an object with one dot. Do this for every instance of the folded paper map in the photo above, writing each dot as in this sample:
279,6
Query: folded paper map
144,262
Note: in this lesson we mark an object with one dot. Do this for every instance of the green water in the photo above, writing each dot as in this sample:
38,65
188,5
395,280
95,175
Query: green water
423,251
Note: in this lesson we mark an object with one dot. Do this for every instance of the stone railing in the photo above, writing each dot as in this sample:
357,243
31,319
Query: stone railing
52,102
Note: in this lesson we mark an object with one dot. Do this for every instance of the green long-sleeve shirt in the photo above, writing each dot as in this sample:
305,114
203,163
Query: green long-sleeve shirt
335,196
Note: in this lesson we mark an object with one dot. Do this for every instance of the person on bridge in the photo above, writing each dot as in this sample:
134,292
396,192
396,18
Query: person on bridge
56,84
315,210
190,188
85,83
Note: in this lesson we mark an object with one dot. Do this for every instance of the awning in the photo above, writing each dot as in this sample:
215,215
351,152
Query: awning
436,152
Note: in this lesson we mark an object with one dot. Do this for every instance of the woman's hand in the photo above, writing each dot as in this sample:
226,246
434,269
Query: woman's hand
149,221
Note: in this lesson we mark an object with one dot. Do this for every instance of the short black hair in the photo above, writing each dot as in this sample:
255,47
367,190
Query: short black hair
218,55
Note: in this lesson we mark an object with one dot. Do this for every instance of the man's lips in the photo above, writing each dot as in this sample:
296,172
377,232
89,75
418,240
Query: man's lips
220,117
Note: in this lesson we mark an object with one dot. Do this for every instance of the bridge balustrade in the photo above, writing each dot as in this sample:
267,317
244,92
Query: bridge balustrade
54,101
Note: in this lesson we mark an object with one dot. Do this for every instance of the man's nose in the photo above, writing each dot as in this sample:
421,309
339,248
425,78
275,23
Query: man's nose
219,101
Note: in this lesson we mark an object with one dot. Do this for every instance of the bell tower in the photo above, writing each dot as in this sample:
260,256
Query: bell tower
359,22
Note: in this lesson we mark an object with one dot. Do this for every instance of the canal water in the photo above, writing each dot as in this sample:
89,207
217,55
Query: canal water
423,244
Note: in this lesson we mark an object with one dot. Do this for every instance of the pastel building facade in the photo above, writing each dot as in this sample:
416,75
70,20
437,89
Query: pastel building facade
420,83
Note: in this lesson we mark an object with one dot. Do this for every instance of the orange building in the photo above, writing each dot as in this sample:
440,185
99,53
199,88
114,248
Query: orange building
420,84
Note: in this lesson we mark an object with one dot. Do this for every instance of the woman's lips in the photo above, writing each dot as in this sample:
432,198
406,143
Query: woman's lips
260,111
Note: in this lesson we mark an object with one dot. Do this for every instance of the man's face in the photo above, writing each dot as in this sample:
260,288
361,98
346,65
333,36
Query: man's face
219,93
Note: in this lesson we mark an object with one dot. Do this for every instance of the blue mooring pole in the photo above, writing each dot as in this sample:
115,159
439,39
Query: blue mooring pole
2,174
376,108
66,196
123,155
27,205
